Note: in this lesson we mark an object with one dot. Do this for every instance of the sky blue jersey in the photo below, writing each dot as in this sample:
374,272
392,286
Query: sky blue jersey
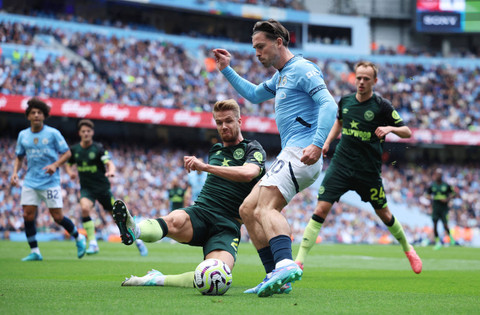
41,149
304,109
196,181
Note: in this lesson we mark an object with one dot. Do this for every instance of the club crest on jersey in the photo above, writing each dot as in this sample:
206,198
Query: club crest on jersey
368,115
91,155
238,153
35,141
45,141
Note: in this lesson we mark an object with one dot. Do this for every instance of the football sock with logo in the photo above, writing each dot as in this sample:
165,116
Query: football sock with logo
309,237
184,280
266,257
31,233
89,227
281,247
69,226
397,231
152,230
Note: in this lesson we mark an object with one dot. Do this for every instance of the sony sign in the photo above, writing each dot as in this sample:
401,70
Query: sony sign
443,22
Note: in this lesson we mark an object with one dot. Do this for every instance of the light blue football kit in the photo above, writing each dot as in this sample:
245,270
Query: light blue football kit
41,149
304,109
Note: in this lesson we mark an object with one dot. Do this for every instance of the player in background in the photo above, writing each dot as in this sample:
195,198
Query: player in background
176,195
234,167
94,166
196,180
46,150
304,114
364,119
441,193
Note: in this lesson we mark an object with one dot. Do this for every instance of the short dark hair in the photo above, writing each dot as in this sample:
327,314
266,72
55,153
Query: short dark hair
36,103
85,122
273,30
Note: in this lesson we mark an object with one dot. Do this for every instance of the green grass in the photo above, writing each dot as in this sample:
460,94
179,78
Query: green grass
355,279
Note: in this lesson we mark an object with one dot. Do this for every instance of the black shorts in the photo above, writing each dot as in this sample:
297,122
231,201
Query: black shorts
213,231
338,180
105,198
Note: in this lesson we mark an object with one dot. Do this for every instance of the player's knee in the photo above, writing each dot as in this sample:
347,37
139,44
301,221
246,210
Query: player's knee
246,212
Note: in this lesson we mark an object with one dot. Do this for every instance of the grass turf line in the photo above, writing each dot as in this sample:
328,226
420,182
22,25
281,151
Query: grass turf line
356,279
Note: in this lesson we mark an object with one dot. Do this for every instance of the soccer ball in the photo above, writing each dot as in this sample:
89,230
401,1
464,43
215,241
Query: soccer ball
212,277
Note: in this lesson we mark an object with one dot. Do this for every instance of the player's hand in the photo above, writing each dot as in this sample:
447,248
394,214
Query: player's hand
110,174
191,163
14,180
326,147
50,169
72,175
311,155
222,58
383,131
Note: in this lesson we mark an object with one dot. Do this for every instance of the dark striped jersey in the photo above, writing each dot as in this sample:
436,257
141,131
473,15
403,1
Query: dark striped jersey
359,147
91,166
225,196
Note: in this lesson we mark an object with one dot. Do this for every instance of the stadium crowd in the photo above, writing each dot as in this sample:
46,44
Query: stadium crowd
161,74
144,176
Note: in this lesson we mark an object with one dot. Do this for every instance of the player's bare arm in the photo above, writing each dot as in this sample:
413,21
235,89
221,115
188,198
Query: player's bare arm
70,171
110,169
50,169
402,132
16,167
242,174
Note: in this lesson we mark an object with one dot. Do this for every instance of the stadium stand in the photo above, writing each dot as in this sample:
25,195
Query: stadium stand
143,181
65,56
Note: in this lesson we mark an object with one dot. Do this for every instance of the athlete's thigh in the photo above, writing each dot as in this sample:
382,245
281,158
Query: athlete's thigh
30,197
290,175
224,236
179,225
370,188
198,226
53,197
106,199
337,181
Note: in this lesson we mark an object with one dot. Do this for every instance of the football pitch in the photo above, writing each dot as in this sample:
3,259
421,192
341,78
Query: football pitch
338,279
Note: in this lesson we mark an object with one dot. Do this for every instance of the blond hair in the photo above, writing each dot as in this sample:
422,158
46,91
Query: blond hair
224,105
367,64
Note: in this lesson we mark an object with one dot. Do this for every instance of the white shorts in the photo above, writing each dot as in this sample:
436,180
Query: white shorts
290,175
33,197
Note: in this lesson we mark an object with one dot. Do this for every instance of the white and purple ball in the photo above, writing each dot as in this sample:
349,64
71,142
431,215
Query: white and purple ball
212,277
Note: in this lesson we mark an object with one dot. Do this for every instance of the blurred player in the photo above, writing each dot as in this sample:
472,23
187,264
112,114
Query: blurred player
176,195
364,119
304,113
235,165
94,166
441,193
196,180
42,145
